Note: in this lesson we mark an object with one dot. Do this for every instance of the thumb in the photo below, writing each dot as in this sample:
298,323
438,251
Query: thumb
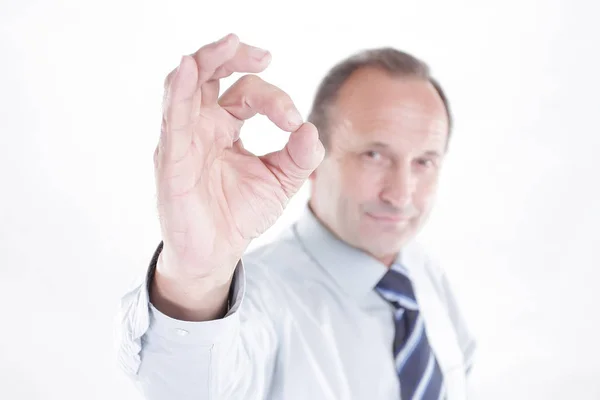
293,164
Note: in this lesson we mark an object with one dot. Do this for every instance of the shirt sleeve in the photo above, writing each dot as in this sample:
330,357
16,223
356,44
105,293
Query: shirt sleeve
228,358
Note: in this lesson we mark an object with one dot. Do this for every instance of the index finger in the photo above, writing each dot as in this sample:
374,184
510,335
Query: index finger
251,95
228,55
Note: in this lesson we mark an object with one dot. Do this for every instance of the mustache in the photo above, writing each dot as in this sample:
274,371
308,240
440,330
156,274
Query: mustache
381,208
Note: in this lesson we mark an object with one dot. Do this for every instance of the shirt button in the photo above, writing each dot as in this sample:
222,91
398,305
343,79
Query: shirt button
181,332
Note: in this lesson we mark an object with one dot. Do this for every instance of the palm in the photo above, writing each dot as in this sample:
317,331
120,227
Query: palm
231,177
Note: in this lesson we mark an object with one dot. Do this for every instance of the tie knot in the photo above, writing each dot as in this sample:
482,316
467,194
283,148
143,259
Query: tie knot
396,288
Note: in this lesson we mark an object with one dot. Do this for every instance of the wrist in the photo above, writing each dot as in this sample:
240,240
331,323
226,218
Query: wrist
187,297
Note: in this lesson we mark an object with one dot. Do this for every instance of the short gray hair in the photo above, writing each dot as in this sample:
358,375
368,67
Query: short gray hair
393,61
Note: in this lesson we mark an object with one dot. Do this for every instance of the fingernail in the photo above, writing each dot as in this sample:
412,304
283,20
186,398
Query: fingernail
294,117
224,39
266,59
257,53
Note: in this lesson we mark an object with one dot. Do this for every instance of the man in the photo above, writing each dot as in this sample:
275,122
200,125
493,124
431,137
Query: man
344,305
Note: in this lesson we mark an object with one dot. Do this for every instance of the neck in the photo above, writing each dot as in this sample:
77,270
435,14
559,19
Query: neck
386,260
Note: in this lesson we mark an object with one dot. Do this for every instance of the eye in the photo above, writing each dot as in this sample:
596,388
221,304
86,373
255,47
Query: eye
373,155
425,162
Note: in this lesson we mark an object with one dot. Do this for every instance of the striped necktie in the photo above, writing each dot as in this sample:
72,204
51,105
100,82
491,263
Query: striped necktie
416,365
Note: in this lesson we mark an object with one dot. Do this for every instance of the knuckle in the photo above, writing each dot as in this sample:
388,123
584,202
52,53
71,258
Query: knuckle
204,53
223,71
201,58
250,80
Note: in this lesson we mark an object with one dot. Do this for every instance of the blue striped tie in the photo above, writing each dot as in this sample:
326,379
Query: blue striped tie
416,365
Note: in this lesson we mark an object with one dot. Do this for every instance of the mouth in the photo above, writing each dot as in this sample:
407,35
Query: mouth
389,218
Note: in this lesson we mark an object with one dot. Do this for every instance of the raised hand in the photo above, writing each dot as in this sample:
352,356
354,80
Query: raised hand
214,196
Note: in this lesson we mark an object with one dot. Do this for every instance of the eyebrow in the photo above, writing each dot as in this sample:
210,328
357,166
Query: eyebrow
378,144
431,153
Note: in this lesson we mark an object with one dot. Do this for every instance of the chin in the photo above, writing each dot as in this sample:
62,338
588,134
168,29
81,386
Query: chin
389,231
383,245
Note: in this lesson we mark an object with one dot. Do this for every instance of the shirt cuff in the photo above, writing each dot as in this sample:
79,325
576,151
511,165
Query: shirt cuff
203,332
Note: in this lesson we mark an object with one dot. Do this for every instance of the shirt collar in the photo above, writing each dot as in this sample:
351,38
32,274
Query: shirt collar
355,271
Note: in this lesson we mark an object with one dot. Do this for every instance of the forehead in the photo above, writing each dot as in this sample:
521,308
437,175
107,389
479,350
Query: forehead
373,105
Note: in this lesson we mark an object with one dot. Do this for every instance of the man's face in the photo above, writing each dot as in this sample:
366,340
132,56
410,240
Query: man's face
376,186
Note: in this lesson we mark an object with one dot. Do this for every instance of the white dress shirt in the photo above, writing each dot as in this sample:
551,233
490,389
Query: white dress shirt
305,323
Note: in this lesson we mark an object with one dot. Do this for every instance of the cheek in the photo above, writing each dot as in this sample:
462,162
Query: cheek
363,184
425,194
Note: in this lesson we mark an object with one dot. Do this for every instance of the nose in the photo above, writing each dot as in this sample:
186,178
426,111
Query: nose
399,187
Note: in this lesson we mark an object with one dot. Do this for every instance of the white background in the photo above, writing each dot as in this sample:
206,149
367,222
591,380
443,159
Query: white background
516,224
